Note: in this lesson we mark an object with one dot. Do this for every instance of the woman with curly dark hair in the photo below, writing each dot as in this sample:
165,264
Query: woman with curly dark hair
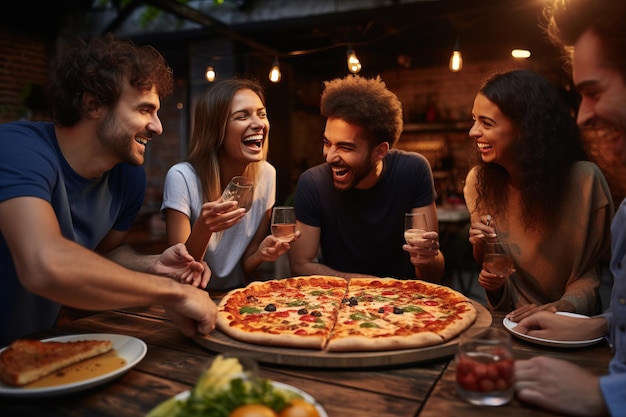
536,185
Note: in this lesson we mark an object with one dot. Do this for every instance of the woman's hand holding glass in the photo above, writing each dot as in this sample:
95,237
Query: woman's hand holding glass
482,230
421,242
497,262
497,265
272,248
217,216
235,201
283,227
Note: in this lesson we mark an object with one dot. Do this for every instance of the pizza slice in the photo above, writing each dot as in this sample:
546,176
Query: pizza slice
387,313
440,309
371,319
25,360
292,312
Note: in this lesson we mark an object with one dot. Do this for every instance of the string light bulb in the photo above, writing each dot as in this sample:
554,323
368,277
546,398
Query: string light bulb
520,53
456,60
354,65
210,74
275,74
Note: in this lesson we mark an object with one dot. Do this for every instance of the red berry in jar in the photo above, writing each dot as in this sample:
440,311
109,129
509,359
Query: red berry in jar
505,369
502,384
478,374
468,382
464,366
492,372
486,385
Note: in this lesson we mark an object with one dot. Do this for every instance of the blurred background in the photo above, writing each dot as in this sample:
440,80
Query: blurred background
409,43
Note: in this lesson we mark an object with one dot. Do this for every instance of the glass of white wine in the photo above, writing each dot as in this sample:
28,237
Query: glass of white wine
415,226
497,259
283,223
240,189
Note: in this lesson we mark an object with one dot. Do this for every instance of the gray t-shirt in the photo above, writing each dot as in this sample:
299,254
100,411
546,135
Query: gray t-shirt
182,192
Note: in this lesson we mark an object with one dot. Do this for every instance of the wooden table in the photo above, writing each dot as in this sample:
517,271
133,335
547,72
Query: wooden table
174,362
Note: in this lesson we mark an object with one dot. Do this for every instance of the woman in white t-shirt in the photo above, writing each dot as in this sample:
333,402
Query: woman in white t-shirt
229,138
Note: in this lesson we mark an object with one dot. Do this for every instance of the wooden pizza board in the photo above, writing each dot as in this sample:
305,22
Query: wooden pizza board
219,342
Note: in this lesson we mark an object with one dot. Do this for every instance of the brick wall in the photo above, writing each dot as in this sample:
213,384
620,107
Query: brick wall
452,93
23,75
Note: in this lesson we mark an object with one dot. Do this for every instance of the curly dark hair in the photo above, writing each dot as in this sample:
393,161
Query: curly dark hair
366,103
548,144
567,20
100,68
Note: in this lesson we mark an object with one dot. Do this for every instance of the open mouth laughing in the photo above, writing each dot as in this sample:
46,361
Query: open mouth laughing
340,173
254,141
484,146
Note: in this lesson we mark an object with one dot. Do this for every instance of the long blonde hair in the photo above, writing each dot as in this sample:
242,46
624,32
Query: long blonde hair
209,131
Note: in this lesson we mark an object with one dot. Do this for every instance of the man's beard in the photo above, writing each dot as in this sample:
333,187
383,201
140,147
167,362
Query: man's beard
118,142
358,174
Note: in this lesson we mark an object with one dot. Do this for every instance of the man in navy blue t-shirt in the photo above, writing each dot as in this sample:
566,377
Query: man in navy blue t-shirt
70,190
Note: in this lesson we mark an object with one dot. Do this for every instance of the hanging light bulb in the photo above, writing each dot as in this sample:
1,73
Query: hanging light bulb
520,53
456,60
354,66
275,72
210,74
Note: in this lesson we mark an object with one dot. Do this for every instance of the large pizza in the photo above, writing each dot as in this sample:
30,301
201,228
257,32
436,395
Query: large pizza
335,314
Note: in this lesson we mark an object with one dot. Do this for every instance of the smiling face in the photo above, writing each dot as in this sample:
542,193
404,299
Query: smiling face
246,129
352,162
493,132
603,91
126,129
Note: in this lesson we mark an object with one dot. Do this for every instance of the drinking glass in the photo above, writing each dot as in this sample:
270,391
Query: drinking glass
415,226
283,223
484,366
497,259
240,189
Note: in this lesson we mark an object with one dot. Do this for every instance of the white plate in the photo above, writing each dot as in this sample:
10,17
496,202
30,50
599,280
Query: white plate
509,325
308,397
126,347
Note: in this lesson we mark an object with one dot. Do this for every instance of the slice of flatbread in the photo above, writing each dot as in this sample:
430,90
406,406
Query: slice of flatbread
25,360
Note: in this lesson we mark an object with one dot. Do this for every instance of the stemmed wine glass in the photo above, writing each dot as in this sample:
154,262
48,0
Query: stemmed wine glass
283,223
415,226
240,189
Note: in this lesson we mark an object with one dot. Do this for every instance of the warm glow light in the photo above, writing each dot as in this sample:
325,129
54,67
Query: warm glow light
456,61
354,65
210,74
520,53
275,72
